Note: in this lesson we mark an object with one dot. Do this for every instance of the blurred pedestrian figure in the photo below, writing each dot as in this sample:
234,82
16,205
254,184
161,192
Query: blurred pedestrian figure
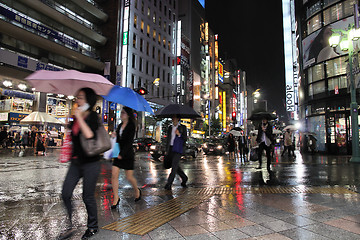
86,122
243,146
292,147
125,160
17,140
175,130
25,139
287,143
264,138
231,146
32,137
39,144
312,144
3,137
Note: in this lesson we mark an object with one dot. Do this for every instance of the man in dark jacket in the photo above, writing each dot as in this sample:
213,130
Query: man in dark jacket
175,130
243,146
264,139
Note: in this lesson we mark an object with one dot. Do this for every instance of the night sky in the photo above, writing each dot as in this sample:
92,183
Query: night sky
252,33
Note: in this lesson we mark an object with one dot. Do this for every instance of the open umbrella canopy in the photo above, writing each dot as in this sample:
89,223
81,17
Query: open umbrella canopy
235,133
176,109
262,115
128,97
237,129
68,82
290,127
39,118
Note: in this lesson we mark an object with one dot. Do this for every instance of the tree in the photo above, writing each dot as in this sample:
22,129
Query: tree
215,127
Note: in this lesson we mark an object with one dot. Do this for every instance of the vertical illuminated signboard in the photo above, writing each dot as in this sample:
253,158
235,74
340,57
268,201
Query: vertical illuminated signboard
288,55
224,110
125,41
221,72
178,52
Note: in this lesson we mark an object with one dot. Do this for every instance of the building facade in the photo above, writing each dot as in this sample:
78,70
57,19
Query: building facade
51,35
324,90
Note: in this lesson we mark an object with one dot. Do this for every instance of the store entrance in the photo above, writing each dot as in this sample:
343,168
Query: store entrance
338,135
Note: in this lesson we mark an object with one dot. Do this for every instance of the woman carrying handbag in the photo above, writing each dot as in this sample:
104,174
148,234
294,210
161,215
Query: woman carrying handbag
125,160
85,124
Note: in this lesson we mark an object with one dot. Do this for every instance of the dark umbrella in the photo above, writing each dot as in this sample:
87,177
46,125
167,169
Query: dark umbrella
176,109
237,129
262,115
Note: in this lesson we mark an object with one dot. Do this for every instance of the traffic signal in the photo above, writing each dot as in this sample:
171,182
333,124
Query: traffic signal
141,91
233,115
105,118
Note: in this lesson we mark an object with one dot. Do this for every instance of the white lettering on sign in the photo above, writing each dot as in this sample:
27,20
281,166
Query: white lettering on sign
289,98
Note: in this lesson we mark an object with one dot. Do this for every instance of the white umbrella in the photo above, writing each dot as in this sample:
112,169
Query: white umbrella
291,128
39,118
276,131
235,133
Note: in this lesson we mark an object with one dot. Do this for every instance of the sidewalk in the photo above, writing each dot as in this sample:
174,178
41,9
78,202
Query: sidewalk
225,200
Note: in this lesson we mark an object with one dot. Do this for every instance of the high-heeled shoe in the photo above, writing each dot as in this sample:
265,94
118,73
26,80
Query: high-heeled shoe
114,206
139,198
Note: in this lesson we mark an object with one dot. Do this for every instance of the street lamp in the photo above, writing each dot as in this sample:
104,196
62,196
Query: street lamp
346,44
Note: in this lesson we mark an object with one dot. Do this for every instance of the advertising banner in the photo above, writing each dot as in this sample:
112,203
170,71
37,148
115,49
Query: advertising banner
221,72
316,46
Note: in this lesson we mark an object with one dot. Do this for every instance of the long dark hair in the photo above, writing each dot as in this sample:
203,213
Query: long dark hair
130,113
317,45
90,95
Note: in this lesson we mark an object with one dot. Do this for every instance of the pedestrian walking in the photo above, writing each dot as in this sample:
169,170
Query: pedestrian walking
231,146
243,146
33,137
287,143
86,122
125,160
17,140
175,143
3,137
39,144
25,139
264,138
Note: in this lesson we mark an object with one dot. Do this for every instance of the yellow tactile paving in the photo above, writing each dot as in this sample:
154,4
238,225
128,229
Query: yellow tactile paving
145,221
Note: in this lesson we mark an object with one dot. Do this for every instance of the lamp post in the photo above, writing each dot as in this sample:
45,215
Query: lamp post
347,44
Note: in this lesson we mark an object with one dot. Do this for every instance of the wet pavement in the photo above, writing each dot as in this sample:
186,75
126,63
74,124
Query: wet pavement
309,197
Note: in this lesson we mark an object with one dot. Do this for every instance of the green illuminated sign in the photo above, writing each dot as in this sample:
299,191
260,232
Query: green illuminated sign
125,38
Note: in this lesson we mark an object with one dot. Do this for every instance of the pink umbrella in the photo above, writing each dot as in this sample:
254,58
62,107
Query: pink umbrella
68,82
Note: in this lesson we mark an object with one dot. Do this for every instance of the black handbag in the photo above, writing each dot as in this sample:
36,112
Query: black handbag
95,146
167,161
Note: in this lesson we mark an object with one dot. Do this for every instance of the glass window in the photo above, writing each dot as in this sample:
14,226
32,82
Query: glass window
155,2
136,4
316,73
169,46
313,9
153,53
134,40
135,21
154,17
133,61
159,38
164,59
169,14
141,44
140,65
339,82
154,34
168,61
160,22
142,7
147,67
148,12
168,77
159,55
133,80
329,2
164,42
160,6
139,82
174,17
164,26
165,10
310,90
318,87
313,24
153,70
142,26
336,67
170,30
148,30
147,48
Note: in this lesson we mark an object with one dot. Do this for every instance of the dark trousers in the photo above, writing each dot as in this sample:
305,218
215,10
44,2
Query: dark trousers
263,147
89,172
175,168
242,151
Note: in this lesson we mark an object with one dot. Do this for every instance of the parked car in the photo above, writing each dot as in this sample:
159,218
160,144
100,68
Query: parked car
144,144
192,148
214,146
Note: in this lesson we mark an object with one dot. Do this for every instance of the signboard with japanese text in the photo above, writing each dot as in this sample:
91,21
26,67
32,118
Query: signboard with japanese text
221,72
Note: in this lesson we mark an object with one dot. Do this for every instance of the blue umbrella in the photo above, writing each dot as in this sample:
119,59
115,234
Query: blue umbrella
128,97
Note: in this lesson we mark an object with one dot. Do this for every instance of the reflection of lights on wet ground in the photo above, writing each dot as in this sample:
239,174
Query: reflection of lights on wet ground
152,169
205,161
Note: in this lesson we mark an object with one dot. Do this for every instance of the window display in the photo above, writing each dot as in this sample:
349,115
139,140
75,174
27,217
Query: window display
57,107
21,105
